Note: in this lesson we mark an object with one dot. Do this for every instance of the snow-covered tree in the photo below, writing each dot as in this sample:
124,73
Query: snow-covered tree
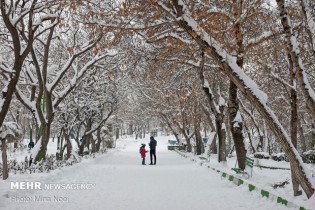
60,58
169,20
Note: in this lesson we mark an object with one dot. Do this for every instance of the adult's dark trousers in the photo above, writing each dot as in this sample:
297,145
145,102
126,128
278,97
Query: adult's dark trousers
152,154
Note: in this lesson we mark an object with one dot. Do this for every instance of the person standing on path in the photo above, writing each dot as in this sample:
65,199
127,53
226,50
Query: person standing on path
152,146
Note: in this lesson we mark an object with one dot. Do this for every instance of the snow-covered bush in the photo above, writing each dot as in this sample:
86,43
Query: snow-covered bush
280,184
309,156
280,156
261,155
51,163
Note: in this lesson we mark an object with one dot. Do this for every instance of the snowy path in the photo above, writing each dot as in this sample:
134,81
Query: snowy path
121,183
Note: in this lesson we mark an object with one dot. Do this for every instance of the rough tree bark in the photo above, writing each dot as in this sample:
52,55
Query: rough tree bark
221,137
293,122
236,130
199,143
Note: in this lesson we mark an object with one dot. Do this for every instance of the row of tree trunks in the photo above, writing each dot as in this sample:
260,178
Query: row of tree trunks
295,65
296,59
231,69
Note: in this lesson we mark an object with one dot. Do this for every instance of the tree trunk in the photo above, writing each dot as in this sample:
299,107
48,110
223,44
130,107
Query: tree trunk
213,146
82,144
310,30
233,105
93,142
117,133
188,143
293,123
219,114
311,143
69,145
250,139
130,129
266,139
58,156
199,143
5,169
85,140
295,183
44,141
99,139
15,145
187,138
260,145
93,146
221,137
302,137
89,137
61,144
229,139
236,130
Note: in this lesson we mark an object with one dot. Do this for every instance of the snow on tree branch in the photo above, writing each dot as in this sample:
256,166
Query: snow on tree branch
66,90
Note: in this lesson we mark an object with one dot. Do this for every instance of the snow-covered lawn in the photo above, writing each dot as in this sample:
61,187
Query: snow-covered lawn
117,181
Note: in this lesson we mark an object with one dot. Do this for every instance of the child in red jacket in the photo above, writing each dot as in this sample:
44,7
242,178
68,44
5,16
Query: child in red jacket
142,152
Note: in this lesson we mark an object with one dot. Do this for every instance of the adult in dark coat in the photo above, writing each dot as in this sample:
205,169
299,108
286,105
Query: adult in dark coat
152,146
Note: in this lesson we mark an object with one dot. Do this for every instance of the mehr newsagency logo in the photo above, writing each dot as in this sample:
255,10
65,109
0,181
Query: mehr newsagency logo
23,185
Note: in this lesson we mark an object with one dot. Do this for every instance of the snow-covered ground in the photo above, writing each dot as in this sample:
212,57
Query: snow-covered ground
265,178
117,181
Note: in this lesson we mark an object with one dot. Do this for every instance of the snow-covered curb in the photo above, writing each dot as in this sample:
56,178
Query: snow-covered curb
251,187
